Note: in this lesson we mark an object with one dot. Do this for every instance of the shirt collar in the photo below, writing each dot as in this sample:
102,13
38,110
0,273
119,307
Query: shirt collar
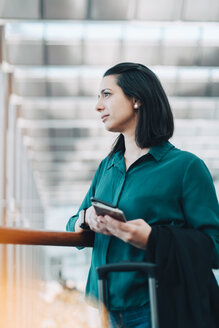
115,160
157,152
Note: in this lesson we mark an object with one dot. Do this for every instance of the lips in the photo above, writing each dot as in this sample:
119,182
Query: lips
104,117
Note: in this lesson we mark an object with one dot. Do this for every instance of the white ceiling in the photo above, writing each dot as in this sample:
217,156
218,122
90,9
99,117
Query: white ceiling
58,51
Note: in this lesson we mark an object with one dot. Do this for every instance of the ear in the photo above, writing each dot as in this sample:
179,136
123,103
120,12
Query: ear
136,103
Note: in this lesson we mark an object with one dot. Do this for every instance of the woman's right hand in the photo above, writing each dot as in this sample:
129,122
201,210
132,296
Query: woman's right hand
94,221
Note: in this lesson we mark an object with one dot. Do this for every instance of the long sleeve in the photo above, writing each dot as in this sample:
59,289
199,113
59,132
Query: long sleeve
200,204
86,202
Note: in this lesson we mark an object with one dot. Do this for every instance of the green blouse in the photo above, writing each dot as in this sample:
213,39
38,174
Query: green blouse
165,186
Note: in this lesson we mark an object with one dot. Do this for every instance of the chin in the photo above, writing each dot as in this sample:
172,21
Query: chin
111,128
108,127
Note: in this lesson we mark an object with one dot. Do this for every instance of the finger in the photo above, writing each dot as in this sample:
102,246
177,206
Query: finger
100,218
116,224
91,217
97,226
93,210
113,226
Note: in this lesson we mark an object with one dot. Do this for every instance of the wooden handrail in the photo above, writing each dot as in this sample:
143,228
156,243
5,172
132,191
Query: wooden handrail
45,237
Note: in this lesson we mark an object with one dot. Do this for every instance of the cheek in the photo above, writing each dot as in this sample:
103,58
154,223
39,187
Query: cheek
112,123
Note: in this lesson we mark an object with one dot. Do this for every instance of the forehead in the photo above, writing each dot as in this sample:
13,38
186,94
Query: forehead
109,81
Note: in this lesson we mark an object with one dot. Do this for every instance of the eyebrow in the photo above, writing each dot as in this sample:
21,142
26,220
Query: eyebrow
102,91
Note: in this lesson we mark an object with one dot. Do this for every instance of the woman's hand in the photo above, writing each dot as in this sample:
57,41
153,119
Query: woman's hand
134,232
93,221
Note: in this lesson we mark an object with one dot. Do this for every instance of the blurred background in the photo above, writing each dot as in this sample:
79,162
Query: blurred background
52,56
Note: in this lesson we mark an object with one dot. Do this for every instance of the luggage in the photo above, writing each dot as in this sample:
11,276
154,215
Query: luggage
147,268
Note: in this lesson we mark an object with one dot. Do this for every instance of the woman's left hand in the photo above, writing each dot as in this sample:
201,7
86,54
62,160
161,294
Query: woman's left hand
134,232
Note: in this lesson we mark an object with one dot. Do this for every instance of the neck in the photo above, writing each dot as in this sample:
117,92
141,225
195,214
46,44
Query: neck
132,150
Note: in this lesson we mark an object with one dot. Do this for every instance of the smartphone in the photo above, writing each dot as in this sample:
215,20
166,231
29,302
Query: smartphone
104,208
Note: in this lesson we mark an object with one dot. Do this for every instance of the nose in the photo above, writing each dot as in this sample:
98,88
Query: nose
99,106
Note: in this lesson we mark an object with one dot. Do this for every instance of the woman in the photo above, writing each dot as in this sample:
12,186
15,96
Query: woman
149,179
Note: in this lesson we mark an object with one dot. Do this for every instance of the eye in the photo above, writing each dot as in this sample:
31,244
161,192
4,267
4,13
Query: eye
106,94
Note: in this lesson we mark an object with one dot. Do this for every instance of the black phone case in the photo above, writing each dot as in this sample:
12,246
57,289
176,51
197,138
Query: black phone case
94,199
103,211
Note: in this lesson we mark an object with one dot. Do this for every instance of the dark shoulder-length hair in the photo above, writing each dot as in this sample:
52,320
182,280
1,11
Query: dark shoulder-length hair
155,119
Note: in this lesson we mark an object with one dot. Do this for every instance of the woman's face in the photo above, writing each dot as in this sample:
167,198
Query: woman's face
116,109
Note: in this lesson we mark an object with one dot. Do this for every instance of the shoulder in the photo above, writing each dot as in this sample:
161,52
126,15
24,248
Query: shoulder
185,157
189,162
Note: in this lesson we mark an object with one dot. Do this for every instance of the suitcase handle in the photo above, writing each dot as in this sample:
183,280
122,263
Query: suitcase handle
149,268
146,267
